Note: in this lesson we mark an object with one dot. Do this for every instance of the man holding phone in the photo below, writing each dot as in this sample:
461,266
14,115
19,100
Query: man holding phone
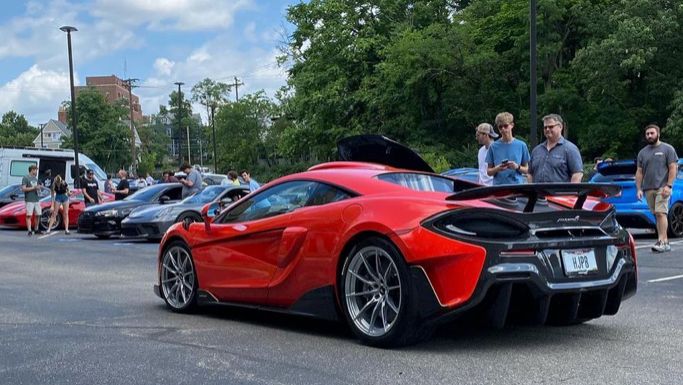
508,157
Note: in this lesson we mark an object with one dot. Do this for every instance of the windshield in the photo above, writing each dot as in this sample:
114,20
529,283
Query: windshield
8,190
205,196
419,182
101,175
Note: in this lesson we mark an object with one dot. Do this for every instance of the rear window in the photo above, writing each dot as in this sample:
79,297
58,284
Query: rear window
419,182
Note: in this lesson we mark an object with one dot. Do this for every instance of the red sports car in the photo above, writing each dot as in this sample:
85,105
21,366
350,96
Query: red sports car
395,251
14,214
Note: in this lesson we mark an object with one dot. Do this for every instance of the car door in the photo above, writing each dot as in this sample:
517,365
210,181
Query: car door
239,256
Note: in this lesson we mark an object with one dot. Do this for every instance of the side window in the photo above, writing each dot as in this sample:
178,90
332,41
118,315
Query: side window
175,193
277,200
325,194
20,167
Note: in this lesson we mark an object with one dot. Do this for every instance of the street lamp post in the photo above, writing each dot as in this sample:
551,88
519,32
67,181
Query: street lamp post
180,116
77,177
533,128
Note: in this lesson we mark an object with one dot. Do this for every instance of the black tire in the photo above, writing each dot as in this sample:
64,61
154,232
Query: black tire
45,220
178,283
103,236
675,229
381,309
194,217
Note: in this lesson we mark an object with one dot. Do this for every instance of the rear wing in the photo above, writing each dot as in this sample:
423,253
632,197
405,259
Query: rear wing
534,191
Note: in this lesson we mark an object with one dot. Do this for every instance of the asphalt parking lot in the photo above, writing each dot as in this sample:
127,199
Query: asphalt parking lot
75,309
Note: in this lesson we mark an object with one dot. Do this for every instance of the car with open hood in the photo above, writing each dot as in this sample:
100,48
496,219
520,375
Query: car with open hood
632,212
393,249
105,220
151,222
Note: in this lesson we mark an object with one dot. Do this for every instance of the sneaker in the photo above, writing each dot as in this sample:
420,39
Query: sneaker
66,232
30,233
659,247
667,246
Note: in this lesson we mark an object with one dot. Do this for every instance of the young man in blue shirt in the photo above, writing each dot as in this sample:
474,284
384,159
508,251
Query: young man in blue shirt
508,157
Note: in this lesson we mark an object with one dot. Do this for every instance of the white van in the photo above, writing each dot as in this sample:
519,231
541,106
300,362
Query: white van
15,161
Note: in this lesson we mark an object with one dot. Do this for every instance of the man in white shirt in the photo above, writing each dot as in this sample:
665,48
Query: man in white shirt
485,136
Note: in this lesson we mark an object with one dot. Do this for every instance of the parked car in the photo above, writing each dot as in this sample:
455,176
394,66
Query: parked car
14,214
632,212
105,220
394,251
12,193
152,222
467,173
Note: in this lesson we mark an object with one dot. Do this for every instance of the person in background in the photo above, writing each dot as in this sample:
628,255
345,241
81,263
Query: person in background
168,177
508,157
30,187
657,166
108,185
123,189
253,185
233,179
555,160
91,190
141,182
60,192
192,184
47,183
149,180
485,136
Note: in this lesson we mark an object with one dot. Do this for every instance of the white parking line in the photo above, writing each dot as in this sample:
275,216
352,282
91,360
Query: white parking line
47,235
650,245
665,279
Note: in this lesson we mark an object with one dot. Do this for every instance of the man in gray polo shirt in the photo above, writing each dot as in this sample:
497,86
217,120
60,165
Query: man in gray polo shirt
556,160
192,183
655,175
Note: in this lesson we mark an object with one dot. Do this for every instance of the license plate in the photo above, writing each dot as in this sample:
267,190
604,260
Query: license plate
579,261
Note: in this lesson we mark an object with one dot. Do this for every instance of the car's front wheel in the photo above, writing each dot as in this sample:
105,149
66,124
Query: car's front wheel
45,220
178,278
676,220
377,295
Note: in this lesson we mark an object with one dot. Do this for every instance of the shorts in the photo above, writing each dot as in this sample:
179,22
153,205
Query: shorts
656,202
61,198
33,207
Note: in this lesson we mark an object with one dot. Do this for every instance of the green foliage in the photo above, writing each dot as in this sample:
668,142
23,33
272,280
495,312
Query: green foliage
15,131
102,132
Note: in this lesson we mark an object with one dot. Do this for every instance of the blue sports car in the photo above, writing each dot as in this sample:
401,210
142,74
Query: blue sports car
630,211
468,173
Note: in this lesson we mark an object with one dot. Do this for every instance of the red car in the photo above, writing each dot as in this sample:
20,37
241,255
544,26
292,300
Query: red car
394,251
14,214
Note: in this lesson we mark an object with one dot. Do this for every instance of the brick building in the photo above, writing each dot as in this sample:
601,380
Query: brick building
113,89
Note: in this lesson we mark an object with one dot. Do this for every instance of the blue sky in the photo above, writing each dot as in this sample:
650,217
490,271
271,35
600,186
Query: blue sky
157,41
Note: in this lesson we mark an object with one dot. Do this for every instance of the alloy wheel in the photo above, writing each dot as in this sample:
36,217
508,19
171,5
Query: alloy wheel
676,220
178,281
373,291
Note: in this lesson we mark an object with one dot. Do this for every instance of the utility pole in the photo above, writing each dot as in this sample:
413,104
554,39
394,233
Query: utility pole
130,82
180,115
77,178
42,125
189,155
237,84
533,128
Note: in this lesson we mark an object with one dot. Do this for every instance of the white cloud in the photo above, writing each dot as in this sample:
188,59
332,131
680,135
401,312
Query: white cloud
163,66
36,93
172,14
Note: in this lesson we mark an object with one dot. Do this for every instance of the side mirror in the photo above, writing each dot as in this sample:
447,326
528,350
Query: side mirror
13,197
209,212
164,198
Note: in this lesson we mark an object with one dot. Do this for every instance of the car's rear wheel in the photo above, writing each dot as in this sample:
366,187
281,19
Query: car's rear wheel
45,220
178,279
676,220
378,298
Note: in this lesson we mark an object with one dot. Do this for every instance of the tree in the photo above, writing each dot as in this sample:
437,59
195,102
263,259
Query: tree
15,130
102,133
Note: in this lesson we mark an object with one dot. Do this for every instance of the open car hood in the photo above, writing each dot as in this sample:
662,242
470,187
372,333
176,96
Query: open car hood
540,190
382,150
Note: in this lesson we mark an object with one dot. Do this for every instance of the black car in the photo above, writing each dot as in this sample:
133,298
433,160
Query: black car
12,193
105,220
152,222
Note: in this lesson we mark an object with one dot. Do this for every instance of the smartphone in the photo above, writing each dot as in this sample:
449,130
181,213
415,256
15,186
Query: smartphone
505,161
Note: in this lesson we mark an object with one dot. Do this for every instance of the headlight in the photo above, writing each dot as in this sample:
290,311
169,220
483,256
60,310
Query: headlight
107,213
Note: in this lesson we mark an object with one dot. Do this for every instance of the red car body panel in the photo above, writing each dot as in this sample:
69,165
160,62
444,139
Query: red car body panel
14,214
